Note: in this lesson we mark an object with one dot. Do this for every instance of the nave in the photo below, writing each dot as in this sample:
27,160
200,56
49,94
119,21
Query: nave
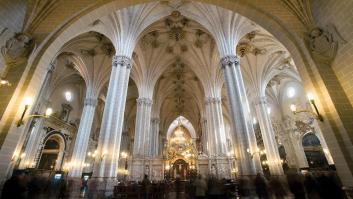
138,100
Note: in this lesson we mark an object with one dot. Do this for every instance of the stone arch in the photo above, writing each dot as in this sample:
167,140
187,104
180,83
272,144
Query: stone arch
49,143
183,122
72,28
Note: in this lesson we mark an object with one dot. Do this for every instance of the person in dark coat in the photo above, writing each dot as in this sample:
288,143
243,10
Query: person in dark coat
15,187
261,187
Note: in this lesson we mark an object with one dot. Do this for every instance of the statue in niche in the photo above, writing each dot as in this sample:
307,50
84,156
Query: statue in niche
65,112
323,44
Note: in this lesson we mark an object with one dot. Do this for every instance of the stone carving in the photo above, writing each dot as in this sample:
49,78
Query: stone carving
229,60
16,50
212,100
244,48
121,61
144,101
303,127
323,44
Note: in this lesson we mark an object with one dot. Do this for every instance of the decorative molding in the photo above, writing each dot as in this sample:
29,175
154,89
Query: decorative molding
301,9
121,60
38,12
230,60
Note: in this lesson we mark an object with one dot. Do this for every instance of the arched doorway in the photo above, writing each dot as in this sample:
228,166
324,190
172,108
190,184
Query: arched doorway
52,153
313,152
181,152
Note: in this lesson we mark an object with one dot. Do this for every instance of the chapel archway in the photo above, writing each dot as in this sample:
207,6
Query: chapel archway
180,157
314,152
51,155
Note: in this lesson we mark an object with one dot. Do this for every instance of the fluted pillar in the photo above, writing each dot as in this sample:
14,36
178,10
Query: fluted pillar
215,122
268,137
142,140
238,101
112,121
82,138
155,136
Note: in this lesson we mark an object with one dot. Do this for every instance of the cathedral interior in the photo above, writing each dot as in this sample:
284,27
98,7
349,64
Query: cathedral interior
123,90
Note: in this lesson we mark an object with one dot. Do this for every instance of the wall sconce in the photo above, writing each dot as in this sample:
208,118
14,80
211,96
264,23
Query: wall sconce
316,115
260,152
4,82
28,102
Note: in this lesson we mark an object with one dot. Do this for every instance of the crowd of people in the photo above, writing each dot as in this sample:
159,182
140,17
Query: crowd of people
326,185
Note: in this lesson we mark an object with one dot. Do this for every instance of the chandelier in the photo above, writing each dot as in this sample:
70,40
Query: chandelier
178,136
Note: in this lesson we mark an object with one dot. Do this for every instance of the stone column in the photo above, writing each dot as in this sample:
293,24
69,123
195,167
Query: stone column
143,138
155,136
32,138
268,137
112,121
81,143
238,102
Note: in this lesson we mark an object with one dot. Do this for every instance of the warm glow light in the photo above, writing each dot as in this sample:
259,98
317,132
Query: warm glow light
4,82
68,96
124,154
23,155
290,92
28,101
310,96
89,153
248,150
48,112
293,108
167,167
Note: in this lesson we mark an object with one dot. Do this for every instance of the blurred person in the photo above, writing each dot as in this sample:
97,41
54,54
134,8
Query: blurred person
261,187
277,188
244,190
15,187
146,185
34,187
296,186
311,186
329,187
201,187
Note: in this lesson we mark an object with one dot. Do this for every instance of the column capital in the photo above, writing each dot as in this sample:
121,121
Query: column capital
121,60
144,101
229,60
90,102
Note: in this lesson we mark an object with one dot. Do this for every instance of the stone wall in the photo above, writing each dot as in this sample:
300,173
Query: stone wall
340,14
